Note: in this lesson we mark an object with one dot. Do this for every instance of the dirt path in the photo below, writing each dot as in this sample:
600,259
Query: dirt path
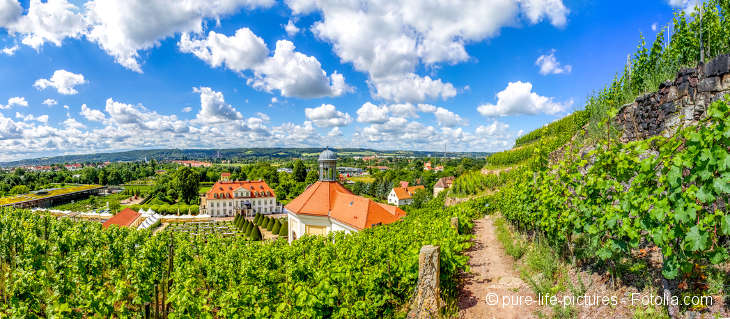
492,272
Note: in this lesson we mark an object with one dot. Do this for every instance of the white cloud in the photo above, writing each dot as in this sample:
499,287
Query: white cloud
326,115
123,28
549,64
688,6
371,113
50,21
291,29
291,73
294,74
213,107
411,88
10,11
64,82
50,102
91,114
9,51
553,10
447,118
14,101
390,39
495,129
654,26
30,117
72,123
334,132
518,98
187,109
242,51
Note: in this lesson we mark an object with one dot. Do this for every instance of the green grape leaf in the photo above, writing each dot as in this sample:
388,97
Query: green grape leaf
705,195
674,176
695,240
725,225
670,269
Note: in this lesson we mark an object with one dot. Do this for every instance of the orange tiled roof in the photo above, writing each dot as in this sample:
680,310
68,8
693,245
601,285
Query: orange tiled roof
123,219
334,200
407,192
224,190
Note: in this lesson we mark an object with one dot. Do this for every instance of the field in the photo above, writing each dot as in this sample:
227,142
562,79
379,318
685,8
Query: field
364,179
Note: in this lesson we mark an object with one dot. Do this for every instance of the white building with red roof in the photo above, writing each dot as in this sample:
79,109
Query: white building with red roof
327,206
228,198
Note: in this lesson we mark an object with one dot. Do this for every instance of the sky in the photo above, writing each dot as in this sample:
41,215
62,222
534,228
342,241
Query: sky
81,77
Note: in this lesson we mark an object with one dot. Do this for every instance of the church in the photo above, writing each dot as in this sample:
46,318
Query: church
328,206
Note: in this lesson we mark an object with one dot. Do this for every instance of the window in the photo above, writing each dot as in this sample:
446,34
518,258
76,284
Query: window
315,230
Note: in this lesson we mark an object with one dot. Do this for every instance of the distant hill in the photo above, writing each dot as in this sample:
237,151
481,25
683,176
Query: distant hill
228,154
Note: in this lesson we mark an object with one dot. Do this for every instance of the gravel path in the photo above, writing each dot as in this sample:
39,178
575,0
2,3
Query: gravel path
492,272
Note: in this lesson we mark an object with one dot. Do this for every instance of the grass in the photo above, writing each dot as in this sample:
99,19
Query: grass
204,189
365,179
541,268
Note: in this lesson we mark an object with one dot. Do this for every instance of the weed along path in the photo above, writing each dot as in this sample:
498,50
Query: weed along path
493,288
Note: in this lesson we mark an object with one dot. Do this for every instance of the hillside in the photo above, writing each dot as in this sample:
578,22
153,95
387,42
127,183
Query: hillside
228,154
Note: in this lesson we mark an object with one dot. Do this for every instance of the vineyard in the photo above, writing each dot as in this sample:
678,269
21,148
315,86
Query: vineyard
547,138
669,192
75,269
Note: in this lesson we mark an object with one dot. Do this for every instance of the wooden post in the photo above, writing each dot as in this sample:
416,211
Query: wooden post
455,223
427,301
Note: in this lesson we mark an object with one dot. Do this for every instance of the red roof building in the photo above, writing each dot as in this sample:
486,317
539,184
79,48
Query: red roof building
327,206
227,198
125,218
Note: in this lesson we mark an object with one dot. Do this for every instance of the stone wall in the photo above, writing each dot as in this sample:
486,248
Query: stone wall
676,103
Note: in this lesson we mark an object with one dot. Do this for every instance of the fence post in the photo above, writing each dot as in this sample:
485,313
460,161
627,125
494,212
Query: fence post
427,301
455,223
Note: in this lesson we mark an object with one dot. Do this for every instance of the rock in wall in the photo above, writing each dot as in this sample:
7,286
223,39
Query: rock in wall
676,103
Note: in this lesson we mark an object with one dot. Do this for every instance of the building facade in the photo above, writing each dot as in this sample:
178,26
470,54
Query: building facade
403,195
228,198
327,206
442,184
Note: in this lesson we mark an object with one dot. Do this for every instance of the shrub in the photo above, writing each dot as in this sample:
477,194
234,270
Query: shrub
275,229
284,229
256,234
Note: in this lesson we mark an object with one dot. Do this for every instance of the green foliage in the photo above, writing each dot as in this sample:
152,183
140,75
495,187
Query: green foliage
19,189
671,192
60,268
548,138
299,172
284,229
276,227
256,234
650,67
186,182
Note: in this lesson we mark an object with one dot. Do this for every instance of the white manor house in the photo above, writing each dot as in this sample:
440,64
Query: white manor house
228,198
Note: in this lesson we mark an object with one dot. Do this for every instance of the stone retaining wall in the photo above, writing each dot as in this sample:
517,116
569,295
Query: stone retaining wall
676,103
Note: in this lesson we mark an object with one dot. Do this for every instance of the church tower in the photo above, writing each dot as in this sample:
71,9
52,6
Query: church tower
328,166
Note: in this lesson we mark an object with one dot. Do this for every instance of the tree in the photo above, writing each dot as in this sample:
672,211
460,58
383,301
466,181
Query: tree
420,198
19,189
299,171
186,182
256,234
312,177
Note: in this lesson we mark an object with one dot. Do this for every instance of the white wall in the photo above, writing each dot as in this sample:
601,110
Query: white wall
298,223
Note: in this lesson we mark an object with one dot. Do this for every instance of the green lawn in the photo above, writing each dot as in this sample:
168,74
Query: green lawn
364,179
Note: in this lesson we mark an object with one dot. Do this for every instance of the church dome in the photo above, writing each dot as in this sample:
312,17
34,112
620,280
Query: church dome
327,155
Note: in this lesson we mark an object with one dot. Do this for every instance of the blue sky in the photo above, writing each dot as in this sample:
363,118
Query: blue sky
418,75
